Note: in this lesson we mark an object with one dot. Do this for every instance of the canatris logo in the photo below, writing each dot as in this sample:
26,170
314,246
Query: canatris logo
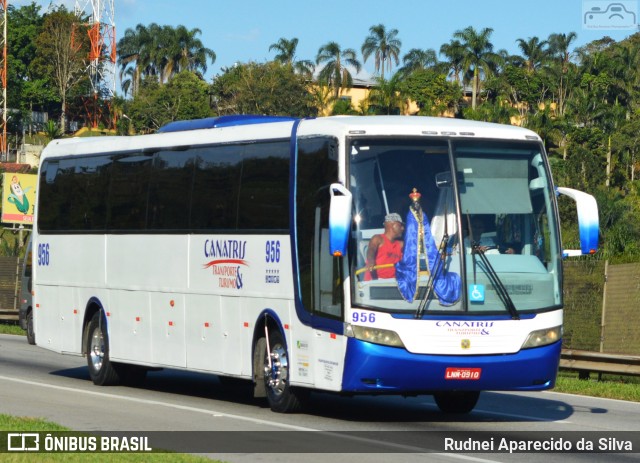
466,328
228,260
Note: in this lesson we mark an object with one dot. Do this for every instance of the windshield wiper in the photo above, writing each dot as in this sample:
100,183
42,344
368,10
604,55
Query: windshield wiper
503,294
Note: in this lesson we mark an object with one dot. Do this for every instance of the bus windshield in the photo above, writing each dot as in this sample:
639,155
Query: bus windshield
482,240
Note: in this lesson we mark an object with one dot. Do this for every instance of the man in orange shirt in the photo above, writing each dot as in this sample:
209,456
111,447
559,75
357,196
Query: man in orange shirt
385,249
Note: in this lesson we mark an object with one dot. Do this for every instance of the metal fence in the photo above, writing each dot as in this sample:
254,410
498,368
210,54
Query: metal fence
583,289
602,307
9,287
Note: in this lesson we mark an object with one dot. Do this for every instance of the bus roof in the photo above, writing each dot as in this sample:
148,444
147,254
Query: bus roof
247,128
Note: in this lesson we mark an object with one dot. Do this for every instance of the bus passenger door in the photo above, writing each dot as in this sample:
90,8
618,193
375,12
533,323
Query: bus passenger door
320,294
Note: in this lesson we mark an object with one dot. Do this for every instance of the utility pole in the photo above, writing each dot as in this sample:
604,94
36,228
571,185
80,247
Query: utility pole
102,55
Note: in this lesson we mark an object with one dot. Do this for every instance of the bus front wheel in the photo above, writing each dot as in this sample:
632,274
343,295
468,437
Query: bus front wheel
281,396
456,401
101,370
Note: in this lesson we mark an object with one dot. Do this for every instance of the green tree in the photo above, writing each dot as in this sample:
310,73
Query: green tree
184,97
62,53
286,54
417,60
627,147
185,52
335,70
145,111
479,57
620,223
27,89
136,56
559,50
490,111
454,53
432,92
525,90
52,130
385,97
343,107
270,88
286,50
384,45
25,25
585,166
161,51
322,97
534,51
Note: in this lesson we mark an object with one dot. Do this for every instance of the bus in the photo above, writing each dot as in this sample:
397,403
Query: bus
237,246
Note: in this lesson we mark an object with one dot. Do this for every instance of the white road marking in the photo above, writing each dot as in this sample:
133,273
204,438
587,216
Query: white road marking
162,404
237,417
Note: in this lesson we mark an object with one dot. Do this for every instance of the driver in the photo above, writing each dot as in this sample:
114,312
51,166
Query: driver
385,249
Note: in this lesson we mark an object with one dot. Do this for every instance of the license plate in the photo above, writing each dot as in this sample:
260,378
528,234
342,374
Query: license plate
470,374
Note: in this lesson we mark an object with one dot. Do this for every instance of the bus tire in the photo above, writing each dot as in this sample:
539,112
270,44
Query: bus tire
101,370
456,401
282,397
31,334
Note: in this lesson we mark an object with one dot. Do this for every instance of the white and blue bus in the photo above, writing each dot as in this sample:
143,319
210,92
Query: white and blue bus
237,246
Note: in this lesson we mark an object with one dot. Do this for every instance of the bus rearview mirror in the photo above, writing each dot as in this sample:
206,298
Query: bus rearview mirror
339,219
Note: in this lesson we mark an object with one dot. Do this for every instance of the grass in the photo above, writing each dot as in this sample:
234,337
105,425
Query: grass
10,423
11,328
608,386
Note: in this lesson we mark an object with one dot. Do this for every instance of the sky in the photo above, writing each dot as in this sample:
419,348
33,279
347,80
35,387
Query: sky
243,30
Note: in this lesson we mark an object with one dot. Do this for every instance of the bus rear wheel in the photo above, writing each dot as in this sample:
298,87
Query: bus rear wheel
31,334
281,396
456,401
101,370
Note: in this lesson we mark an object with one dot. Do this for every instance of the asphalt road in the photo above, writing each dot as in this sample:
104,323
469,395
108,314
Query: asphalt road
38,383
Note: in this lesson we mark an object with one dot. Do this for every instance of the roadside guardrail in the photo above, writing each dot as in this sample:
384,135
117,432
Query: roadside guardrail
599,362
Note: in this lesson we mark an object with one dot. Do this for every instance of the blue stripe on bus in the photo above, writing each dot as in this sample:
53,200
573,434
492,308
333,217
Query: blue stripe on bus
221,121
376,369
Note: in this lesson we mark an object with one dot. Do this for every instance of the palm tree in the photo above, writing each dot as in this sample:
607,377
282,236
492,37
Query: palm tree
185,52
386,97
625,64
286,50
127,79
418,59
479,56
384,45
559,49
135,50
454,52
287,55
335,71
559,46
534,52
52,130
160,51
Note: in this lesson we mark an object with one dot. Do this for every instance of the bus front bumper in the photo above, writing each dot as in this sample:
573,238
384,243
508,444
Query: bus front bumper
376,369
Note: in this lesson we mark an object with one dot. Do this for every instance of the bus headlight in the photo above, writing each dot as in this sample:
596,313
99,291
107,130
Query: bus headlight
374,335
543,337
